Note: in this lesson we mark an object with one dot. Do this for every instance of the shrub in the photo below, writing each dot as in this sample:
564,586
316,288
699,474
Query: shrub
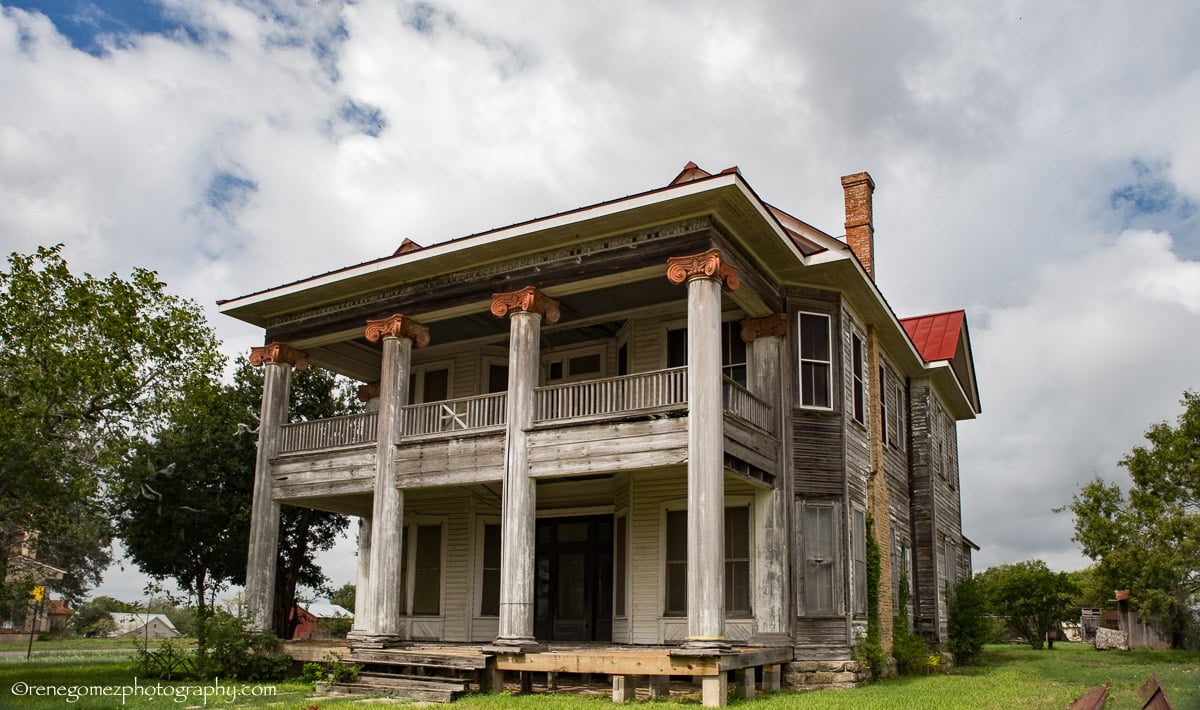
234,652
968,625
910,650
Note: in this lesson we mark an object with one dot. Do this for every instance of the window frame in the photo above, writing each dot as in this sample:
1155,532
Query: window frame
858,378
901,415
410,541
680,507
416,378
730,333
858,552
801,360
481,568
836,542
564,356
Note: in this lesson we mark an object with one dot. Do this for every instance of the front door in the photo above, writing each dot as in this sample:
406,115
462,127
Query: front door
574,579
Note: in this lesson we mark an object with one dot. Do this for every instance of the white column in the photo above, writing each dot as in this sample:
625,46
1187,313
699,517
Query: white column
704,275
277,360
363,579
525,309
383,604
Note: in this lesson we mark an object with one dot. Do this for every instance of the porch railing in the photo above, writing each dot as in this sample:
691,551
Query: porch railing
745,405
467,413
613,395
328,433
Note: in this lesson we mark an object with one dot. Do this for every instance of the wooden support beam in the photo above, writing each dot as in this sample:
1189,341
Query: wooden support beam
624,688
714,691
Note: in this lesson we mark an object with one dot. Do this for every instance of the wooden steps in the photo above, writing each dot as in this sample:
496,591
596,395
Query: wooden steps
437,676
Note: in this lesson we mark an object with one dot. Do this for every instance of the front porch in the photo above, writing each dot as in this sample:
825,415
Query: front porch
626,671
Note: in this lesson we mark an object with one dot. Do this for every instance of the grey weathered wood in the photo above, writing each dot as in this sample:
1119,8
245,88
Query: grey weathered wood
264,511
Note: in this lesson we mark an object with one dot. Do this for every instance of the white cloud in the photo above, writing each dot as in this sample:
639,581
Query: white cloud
997,136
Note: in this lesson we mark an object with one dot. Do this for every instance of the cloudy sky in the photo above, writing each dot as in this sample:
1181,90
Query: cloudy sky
1037,164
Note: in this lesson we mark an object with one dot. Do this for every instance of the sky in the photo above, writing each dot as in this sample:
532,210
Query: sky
1036,164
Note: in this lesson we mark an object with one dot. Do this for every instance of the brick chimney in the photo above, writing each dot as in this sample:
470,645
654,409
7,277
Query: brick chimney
860,227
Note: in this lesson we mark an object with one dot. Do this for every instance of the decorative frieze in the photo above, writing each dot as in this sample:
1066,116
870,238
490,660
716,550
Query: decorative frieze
279,352
527,299
398,326
768,327
707,265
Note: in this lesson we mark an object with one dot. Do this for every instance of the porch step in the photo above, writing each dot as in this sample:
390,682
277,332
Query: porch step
419,659
435,691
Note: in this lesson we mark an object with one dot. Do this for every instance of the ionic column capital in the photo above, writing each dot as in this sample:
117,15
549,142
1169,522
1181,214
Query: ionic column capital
398,326
707,265
773,326
279,352
527,299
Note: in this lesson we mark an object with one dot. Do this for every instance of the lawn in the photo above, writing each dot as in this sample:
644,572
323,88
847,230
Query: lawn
1008,677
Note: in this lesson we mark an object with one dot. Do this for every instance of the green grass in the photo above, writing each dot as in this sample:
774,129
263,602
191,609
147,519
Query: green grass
1008,677
78,644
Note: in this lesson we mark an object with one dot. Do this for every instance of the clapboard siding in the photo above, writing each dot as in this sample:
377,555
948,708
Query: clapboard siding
607,447
348,471
453,508
460,460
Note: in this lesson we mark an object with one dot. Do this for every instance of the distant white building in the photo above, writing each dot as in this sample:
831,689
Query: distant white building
133,625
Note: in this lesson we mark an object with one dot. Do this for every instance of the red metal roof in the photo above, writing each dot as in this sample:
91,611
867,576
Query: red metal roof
936,336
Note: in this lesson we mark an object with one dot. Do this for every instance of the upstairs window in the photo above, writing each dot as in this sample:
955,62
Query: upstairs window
816,362
901,423
733,350
858,373
884,423
429,384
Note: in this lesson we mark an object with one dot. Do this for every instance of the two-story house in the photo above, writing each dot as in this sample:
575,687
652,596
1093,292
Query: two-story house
657,421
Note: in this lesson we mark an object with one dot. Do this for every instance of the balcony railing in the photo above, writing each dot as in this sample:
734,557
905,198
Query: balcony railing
614,395
648,392
743,404
328,433
451,415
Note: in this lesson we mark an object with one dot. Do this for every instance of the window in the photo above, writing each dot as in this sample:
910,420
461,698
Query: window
816,361
585,364
883,408
676,599
489,604
429,384
620,560
858,535
951,563
901,425
858,373
737,562
733,350
421,560
497,378
819,528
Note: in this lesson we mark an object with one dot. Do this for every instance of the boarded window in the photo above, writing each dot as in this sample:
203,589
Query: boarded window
489,604
427,571
737,562
858,373
858,537
816,369
676,601
819,555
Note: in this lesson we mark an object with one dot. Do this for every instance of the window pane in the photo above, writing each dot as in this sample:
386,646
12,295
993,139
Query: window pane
556,371
490,594
737,588
858,374
676,602
733,348
860,563
404,570
437,386
677,347
677,536
427,576
584,364
814,337
497,378
818,529
737,533
619,571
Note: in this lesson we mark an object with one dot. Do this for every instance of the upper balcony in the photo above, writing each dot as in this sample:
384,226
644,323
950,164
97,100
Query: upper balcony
661,392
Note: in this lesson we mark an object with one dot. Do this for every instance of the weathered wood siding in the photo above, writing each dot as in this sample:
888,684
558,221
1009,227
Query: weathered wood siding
936,509
606,447
332,473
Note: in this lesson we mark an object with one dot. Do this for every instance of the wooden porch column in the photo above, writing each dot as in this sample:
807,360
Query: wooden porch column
765,337
705,274
525,310
383,605
277,361
362,580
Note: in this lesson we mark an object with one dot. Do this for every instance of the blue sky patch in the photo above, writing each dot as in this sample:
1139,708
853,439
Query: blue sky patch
91,25
364,117
229,193
1151,201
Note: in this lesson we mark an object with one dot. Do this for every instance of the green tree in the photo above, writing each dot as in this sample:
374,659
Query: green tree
86,365
343,596
1030,597
183,504
1149,540
967,626
94,617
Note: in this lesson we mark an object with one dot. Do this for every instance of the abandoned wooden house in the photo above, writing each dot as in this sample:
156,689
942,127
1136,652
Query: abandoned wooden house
655,423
